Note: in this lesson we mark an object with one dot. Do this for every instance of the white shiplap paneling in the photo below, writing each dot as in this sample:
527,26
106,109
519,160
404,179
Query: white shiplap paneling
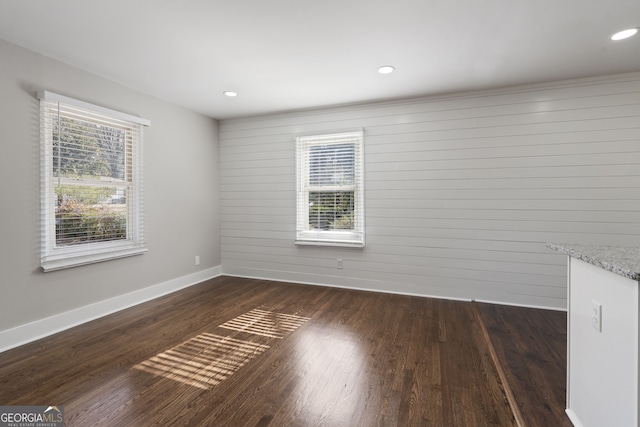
462,192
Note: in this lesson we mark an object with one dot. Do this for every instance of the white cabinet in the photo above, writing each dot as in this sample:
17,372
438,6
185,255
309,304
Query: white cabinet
602,384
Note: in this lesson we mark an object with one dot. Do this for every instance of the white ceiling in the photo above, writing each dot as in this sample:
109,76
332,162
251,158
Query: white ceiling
282,55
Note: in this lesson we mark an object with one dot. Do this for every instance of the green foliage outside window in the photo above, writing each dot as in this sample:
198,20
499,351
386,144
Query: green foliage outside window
331,210
84,150
84,194
77,222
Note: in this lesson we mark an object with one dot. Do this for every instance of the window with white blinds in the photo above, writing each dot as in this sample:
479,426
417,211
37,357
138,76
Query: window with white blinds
330,189
91,186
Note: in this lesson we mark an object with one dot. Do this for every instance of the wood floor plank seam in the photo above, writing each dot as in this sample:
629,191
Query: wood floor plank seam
513,404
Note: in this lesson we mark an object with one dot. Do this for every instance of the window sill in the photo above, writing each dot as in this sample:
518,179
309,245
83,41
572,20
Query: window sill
75,261
341,244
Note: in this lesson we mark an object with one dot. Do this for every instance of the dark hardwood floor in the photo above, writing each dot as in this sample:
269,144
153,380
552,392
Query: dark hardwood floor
531,346
242,352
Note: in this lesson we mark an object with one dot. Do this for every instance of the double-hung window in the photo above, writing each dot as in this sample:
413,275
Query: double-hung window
91,183
330,189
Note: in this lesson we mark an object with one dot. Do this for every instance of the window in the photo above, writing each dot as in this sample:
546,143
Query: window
330,191
91,186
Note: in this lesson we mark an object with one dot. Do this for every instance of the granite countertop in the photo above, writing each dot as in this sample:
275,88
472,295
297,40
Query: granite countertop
621,260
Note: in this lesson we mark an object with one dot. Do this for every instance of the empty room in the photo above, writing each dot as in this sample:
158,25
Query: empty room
329,213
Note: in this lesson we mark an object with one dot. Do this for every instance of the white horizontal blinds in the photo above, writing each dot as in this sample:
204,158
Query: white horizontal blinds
92,171
330,188
92,195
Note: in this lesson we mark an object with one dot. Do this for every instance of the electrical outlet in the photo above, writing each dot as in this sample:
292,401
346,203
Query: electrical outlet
339,263
197,260
596,315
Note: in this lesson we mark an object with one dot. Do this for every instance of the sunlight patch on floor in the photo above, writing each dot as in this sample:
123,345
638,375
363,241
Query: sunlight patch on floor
266,323
203,361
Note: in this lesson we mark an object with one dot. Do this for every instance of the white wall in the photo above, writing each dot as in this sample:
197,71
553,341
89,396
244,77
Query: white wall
462,192
181,196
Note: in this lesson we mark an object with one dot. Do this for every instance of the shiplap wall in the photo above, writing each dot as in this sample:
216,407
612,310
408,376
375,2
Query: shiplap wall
462,192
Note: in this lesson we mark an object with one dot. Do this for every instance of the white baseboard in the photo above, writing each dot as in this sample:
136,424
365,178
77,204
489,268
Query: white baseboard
277,278
574,419
512,304
354,288
29,332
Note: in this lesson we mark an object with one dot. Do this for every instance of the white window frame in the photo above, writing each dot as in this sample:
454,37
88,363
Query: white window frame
54,257
342,238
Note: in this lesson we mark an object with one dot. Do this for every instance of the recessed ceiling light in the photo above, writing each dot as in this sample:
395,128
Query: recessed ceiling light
386,69
624,34
230,93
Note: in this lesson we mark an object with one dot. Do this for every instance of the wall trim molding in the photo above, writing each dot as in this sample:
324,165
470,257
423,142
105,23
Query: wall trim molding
35,330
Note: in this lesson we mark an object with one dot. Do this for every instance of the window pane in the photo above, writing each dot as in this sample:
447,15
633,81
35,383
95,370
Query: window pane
331,210
82,149
91,187
331,164
90,214
330,189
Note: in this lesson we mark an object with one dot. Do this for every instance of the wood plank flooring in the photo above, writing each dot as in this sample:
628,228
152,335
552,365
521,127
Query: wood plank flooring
243,352
531,345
